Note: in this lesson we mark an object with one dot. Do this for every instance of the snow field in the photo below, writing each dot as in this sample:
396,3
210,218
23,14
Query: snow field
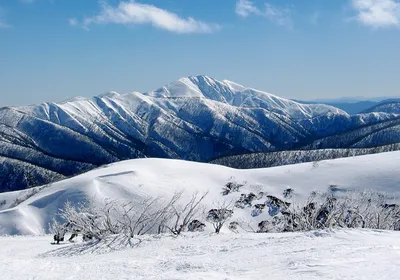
343,254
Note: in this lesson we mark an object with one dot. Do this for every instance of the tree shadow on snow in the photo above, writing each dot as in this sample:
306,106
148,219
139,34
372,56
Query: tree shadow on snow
106,245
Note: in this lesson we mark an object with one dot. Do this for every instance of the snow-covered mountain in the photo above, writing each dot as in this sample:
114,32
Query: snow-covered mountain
390,107
239,96
195,118
30,211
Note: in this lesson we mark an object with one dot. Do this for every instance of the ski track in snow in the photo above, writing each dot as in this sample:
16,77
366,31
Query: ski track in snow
350,254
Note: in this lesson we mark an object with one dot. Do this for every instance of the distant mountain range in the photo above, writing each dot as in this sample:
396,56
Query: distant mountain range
354,106
195,118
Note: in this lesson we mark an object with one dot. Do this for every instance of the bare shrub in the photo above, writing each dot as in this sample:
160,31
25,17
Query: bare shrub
183,214
131,219
152,214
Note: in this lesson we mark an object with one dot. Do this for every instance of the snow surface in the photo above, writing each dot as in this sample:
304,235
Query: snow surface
138,179
352,254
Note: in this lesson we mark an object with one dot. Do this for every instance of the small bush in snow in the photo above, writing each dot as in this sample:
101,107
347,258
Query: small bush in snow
258,209
245,200
275,205
231,187
196,226
58,230
263,226
260,195
233,226
288,193
218,217
334,188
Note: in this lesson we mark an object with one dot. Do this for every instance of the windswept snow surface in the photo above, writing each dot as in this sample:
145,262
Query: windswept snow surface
136,180
355,254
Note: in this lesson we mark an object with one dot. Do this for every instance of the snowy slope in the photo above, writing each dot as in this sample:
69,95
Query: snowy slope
335,255
272,159
137,179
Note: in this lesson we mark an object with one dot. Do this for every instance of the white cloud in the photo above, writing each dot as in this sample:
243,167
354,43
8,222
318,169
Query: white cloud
377,13
278,15
131,13
244,8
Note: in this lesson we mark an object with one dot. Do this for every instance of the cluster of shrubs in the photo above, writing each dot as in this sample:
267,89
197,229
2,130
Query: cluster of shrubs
332,210
128,219
336,208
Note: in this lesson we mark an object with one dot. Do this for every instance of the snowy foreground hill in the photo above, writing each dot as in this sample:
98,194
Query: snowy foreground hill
135,180
194,118
324,254
350,254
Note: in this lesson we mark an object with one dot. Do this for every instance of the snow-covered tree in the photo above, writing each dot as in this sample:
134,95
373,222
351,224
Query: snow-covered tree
218,217
58,230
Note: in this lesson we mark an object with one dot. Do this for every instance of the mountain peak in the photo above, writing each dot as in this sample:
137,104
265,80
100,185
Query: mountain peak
236,95
109,94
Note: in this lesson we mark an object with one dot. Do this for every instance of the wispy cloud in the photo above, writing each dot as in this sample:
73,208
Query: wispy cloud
134,13
315,17
377,13
73,22
278,15
244,8
4,25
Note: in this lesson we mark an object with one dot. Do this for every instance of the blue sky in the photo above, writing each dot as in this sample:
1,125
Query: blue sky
52,50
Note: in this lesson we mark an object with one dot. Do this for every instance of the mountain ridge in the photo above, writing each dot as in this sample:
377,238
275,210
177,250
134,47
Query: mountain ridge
195,118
